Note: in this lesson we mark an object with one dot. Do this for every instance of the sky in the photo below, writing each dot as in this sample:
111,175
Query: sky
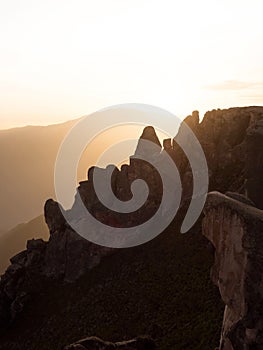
62,59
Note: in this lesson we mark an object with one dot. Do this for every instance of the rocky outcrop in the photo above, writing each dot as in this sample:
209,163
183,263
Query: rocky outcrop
233,223
231,141
93,343
68,255
225,139
235,228
148,134
234,162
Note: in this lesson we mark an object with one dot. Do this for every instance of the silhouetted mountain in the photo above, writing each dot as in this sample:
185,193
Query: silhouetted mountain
161,288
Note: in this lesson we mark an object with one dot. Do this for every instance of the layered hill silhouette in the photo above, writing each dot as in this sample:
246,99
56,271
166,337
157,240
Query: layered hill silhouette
27,157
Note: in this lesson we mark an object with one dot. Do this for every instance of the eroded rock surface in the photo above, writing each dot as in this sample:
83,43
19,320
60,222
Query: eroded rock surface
235,229
66,257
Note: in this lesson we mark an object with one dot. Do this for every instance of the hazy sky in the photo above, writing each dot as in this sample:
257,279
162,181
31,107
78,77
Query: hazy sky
61,59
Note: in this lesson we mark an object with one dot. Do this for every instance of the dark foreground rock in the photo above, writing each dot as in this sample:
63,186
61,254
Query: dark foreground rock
93,343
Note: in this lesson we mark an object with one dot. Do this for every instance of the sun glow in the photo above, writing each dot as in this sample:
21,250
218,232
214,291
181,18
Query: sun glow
63,59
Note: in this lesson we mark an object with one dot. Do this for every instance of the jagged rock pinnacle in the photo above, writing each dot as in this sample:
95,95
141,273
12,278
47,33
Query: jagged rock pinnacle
149,134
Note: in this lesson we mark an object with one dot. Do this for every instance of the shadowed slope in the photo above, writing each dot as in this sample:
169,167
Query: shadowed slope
15,240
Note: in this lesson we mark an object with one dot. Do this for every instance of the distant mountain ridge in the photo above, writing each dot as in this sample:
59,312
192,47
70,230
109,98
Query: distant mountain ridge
13,241
27,157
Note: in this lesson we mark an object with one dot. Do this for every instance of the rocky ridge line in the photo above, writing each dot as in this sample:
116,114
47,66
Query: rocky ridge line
232,155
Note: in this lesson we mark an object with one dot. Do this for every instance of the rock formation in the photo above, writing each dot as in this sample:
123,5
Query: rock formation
66,256
231,140
235,229
148,134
